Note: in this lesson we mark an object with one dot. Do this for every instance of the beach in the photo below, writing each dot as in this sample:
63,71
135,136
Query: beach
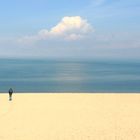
70,116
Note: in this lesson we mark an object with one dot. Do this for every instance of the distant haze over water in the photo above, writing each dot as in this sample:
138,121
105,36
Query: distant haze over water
30,75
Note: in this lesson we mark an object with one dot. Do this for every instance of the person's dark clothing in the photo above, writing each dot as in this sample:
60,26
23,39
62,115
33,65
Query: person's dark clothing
10,93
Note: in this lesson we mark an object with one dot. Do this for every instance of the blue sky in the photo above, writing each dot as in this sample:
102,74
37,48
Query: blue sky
93,29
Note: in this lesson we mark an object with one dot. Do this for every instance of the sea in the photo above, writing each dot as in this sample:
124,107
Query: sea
69,76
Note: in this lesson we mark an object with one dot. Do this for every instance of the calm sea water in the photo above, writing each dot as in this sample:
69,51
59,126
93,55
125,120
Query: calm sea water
69,76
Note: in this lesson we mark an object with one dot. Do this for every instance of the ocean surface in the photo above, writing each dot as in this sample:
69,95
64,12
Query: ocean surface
69,76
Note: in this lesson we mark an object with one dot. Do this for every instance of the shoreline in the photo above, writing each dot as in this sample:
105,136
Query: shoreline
72,93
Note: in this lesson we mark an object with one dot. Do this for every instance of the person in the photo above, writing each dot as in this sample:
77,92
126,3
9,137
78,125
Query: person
10,94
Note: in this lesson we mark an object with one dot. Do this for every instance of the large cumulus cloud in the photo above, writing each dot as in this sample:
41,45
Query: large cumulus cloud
69,28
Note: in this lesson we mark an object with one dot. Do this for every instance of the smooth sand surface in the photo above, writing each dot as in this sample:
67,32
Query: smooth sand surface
70,117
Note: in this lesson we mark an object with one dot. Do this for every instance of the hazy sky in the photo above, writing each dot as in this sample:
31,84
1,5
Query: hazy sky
108,29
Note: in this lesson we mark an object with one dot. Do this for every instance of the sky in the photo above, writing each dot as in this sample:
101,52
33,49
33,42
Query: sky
83,29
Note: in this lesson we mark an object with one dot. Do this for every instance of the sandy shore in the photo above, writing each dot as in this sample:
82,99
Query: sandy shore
70,117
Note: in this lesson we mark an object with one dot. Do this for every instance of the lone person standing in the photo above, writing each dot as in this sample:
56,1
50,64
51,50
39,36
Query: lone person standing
10,94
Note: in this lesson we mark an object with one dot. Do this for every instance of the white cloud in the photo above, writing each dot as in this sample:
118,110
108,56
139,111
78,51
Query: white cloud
97,2
69,28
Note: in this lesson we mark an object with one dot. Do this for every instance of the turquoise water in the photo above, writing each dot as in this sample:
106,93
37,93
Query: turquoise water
69,76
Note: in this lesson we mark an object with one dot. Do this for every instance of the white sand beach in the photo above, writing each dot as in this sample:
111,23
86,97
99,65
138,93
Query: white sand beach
70,117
